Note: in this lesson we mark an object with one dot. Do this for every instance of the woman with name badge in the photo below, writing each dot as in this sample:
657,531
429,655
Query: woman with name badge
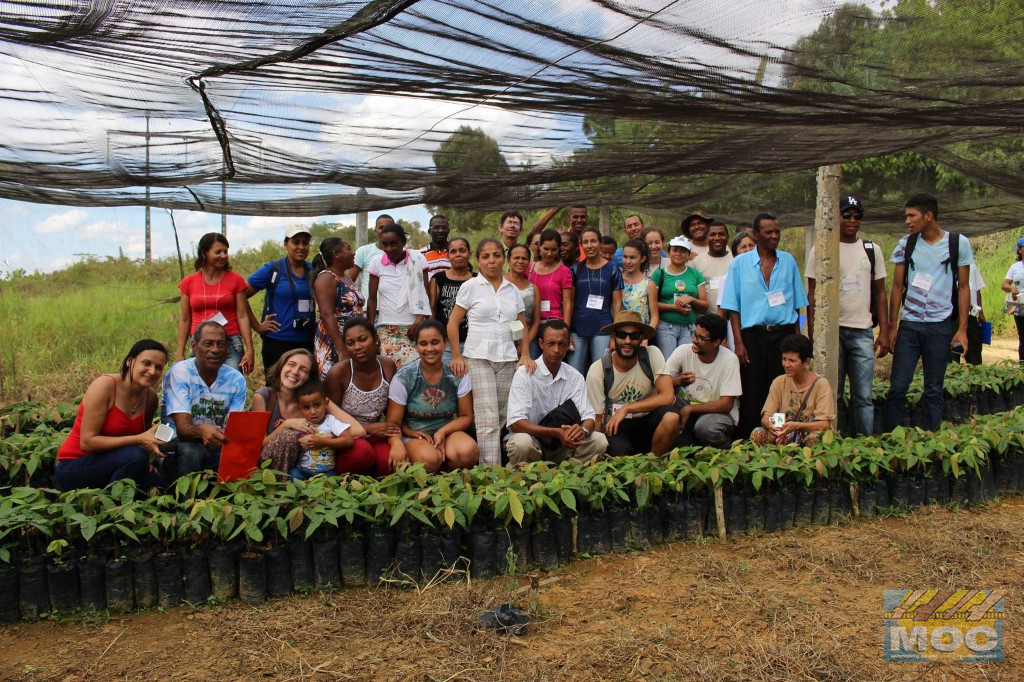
519,263
680,294
598,298
398,294
337,298
553,281
655,240
288,319
494,309
215,293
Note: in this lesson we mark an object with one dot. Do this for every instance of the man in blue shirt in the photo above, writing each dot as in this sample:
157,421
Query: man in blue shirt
633,227
198,394
763,295
925,284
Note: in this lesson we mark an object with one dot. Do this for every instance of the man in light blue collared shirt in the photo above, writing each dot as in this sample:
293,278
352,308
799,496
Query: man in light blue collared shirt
763,295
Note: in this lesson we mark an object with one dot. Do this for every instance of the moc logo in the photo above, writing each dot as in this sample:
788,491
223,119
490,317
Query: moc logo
944,625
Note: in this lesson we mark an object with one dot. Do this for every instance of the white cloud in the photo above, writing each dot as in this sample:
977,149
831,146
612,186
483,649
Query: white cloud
61,222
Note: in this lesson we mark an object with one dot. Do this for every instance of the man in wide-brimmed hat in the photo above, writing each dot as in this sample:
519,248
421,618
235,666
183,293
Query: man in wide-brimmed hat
630,391
695,228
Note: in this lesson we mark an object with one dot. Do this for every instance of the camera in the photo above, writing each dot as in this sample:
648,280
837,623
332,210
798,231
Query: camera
303,323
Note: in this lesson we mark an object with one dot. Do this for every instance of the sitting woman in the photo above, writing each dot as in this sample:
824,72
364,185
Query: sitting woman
109,440
288,424
803,397
433,408
360,385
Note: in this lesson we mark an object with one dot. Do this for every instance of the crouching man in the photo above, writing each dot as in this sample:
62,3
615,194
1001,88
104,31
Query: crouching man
707,377
549,415
631,392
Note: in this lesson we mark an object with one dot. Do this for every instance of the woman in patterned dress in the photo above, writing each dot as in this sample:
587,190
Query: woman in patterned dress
337,298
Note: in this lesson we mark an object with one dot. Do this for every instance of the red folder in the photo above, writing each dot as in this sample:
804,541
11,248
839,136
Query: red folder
240,455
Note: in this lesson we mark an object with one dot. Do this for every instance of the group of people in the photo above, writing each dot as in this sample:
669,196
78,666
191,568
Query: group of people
560,346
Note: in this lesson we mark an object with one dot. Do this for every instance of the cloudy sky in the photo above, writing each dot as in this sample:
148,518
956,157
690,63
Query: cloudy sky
46,238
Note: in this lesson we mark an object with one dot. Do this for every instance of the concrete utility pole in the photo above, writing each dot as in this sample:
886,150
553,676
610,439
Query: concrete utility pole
604,220
149,233
362,222
826,292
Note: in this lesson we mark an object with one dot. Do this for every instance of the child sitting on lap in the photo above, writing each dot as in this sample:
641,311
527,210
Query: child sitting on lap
320,448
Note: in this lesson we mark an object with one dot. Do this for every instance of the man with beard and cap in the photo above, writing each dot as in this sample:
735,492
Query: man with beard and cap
198,394
715,263
436,252
763,295
707,377
695,228
861,295
631,393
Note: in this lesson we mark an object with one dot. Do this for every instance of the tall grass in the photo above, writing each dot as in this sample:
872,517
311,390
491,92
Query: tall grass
62,329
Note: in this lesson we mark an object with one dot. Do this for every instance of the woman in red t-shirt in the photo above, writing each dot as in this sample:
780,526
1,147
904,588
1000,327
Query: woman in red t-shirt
112,437
214,292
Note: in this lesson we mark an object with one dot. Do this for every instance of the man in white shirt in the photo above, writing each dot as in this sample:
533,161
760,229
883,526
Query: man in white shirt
861,286
544,397
366,253
715,263
707,377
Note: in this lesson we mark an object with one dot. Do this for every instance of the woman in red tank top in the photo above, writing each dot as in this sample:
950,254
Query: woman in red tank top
111,438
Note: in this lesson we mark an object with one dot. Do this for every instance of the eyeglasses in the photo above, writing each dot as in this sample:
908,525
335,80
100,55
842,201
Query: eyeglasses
632,336
700,337
847,215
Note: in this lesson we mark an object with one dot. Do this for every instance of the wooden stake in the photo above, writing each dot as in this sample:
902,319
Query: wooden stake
720,511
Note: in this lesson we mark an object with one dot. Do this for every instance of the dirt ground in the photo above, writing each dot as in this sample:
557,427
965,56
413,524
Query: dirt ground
805,604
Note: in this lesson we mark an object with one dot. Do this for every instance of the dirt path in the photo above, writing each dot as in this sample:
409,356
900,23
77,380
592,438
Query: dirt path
805,604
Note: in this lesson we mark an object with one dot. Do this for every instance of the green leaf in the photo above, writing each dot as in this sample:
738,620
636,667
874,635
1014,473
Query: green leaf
568,499
449,517
516,507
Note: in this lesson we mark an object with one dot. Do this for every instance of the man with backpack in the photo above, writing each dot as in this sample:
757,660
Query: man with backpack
931,281
631,392
862,306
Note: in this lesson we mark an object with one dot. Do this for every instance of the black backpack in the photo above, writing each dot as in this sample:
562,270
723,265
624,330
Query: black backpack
869,249
609,373
951,263
276,269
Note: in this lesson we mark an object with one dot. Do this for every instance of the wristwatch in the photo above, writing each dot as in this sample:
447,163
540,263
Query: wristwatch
586,430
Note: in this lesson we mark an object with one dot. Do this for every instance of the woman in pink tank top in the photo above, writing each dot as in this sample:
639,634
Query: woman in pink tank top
112,437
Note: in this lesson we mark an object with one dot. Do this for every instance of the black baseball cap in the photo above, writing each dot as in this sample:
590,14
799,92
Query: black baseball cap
849,201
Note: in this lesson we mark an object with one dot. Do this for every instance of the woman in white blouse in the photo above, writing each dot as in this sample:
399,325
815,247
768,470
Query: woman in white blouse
494,309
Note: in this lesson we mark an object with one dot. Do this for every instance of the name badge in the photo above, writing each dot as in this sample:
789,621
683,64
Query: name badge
922,281
219,318
545,306
776,298
618,406
850,283
714,283
595,302
304,305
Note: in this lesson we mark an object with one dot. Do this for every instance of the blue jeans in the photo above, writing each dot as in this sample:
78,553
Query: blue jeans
589,349
928,342
857,361
300,474
670,336
98,469
190,457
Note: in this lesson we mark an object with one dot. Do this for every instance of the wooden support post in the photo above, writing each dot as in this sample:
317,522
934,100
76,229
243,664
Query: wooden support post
720,511
362,223
826,291
604,221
